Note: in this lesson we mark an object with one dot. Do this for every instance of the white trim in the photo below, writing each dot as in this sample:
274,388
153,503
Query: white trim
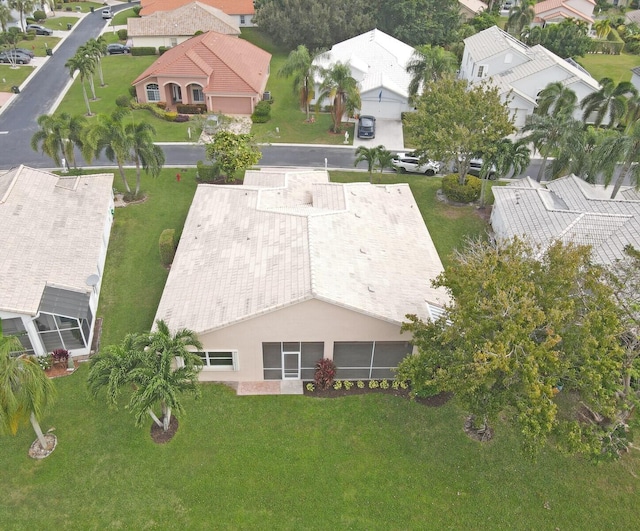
234,360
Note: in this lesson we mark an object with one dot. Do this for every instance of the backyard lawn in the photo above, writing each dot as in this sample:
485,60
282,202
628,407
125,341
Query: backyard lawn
617,67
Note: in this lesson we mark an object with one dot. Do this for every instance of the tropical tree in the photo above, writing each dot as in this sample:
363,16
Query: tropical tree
58,135
610,100
556,98
429,63
370,155
341,90
602,27
520,17
300,65
5,16
622,147
506,157
85,66
233,152
22,7
145,153
97,48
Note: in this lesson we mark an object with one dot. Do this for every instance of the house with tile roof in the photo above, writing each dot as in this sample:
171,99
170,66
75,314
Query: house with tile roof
520,72
290,268
555,11
471,8
242,11
570,210
57,229
170,28
378,63
225,73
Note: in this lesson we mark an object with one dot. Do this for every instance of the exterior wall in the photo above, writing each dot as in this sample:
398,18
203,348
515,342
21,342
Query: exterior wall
311,320
492,66
248,20
635,80
165,83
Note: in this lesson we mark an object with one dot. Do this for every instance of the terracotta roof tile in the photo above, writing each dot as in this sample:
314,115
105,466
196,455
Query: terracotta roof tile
230,7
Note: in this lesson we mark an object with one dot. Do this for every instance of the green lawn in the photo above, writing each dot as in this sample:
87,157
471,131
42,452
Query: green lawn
13,76
59,23
617,67
120,19
85,7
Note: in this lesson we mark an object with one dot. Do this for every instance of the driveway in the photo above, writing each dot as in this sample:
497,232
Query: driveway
388,134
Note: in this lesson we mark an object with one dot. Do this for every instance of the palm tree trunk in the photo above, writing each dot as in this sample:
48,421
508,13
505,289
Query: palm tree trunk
124,177
623,173
137,176
337,113
39,434
542,168
86,98
154,417
100,72
93,88
167,416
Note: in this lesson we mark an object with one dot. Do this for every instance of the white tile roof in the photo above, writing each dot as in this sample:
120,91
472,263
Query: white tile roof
290,237
571,210
51,231
490,42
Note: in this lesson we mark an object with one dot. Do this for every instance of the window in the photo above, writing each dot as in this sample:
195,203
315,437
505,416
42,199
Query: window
482,70
223,360
198,95
242,21
15,327
365,360
278,358
153,92
57,331
174,41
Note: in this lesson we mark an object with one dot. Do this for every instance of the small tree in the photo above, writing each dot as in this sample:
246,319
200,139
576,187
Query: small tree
233,152
341,89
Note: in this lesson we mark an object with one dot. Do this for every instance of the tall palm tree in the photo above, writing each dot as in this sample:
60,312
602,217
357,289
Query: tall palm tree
622,147
145,153
97,48
556,98
341,89
610,100
25,391
22,7
520,16
370,155
85,67
300,65
58,135
602,27
429,63
5,16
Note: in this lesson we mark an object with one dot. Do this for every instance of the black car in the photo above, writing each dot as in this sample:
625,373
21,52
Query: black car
26,51
117,48
366,127
39,30
14,57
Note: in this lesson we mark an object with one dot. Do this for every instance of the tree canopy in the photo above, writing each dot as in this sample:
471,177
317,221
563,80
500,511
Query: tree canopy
233,152
566,39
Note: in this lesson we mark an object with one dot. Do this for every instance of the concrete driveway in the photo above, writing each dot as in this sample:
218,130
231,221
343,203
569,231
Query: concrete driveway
388,133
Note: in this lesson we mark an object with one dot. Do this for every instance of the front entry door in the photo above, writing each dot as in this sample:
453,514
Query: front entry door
290,361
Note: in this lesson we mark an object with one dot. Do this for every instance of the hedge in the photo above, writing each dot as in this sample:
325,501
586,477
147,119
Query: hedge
143,50
167,246
466,193
612,45
191,108
261,113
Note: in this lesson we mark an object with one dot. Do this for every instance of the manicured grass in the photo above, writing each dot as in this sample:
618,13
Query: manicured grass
85,7
13,76
120,19
39,44
295,462
617,67
60,23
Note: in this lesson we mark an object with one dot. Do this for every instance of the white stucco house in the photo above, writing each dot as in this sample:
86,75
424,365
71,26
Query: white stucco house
378,63
571,210
54,232
290,268
520,72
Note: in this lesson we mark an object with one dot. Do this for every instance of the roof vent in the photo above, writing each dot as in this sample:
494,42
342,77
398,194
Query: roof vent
370,288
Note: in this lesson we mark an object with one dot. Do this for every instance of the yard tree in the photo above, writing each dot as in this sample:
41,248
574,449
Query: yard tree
85,67
507,157
556,98
525,322
145,153
566,39
520,16
59,134
341,90
5,16
429,63
377,157
455,121
299,65
233,152
609,102
621,148
96,48
22,7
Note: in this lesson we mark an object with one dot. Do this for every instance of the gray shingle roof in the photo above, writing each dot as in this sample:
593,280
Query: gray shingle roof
284,238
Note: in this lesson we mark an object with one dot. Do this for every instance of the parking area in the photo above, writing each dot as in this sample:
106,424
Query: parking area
388,133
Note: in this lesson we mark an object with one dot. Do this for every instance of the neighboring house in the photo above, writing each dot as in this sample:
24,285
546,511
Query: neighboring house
555,11
471,8
520,72
632,17
635,77
170,28
378,63
227,74
54,233
241,11
290,268
571,210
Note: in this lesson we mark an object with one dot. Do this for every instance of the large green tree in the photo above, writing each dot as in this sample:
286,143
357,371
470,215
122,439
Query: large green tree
566,39
341,90
300,65
22,7
556,98
455,121
520,16
620,148
524,323
58,135
429,63
233,152
96,48
609,102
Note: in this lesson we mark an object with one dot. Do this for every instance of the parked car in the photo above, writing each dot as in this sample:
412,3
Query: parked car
475,165
366,126
107,13
39,30
26,51
117,48
409,162
12,56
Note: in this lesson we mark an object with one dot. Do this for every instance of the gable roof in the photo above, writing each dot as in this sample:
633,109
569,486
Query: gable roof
230,64
473,6
286,237
51,233
230,7
550,9
380,59
571,210
492,41
184,20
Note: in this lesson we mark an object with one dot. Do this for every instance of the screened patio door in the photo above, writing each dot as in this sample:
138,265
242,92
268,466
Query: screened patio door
291,361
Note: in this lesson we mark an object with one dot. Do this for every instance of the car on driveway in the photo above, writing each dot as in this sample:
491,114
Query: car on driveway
366,126
475,166
117,48
409,162
14,57
39,30
26,51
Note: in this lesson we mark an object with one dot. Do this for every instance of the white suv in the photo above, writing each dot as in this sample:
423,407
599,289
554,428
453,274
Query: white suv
404,162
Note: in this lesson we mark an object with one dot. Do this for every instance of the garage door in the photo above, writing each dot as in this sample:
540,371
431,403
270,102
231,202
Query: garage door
362,360
231,105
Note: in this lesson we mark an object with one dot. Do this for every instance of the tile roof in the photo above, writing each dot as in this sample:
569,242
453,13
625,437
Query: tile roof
571,210
51,231
184,20
230,7
632,16
231,65
549,9
492,41
286,237
475,6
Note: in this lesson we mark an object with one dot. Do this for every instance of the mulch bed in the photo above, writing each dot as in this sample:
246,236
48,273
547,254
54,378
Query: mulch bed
162,437
432,401
60,369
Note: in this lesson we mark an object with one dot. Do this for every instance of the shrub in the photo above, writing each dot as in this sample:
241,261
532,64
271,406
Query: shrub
191,108
123,101
360,384
466,193
384,384
122,35
167,246
45,362
39,16
310,387
68,8
132,91
325,373
207,172
162,49
348,384
161,105
182,118
337,385
30,20
170,116
60,355
373,384
143,50
136,10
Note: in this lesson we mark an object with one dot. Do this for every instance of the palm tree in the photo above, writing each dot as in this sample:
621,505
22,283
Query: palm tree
300,65
22,7
145,153
25,390
610,100
622,147
385,158
96,48
85,67
556,98
58,135
602,27
370,155
429,63
5,16
520,16
341,89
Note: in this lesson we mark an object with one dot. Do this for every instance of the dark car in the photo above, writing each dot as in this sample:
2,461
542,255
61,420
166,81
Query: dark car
117,48
14,57
26,52
366,127
39,30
